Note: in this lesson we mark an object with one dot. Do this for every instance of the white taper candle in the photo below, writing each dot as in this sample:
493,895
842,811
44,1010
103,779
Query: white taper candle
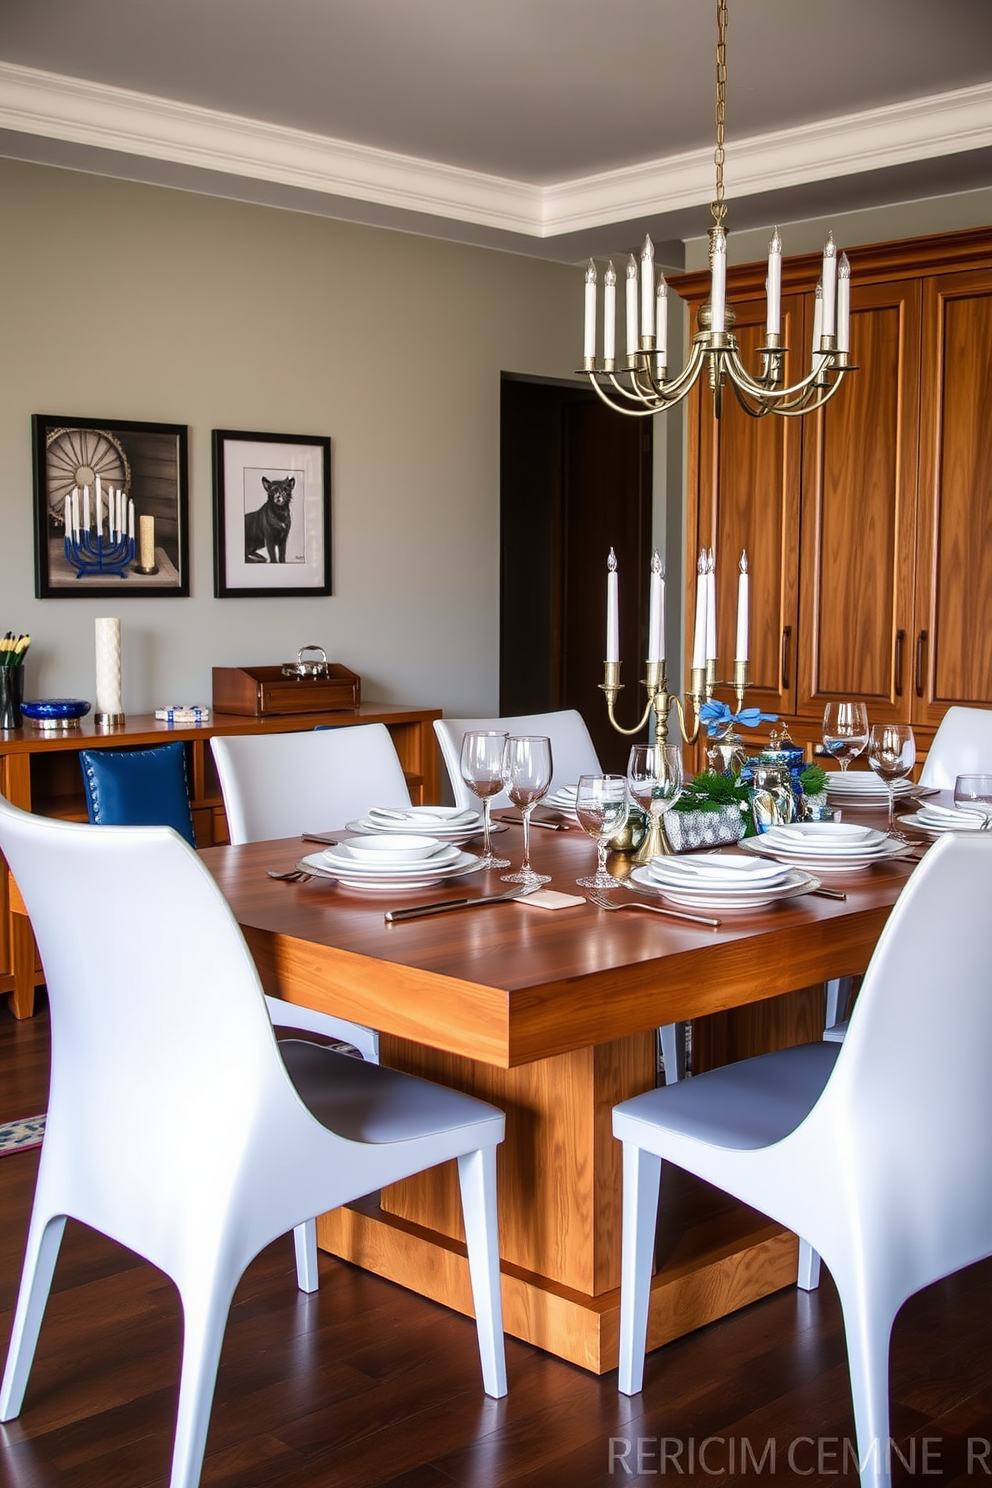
612,609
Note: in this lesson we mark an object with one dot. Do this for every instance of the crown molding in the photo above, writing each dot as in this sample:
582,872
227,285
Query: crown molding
116,119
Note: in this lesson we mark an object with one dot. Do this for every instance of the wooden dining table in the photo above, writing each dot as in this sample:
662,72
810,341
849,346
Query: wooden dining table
551,1015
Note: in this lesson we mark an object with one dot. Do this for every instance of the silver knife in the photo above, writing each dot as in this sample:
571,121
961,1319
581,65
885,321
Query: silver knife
417,911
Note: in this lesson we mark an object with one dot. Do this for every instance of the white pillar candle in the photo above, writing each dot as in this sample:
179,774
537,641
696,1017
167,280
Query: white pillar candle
589,332
661,328
830,286
146,531
632,324
612,609
67,516
699,629
75,512
86,508
773,313
742,615
610,312
656,611
647,288
843,304
130,520
108,666
711,607
718,281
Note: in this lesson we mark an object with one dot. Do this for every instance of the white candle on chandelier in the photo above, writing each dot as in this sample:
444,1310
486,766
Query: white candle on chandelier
817,317
589,333
711,607
699,629
742,616
661,332
656,611
829,286
632,330
647,288
612,609
773,313
843,304
718,284
610,312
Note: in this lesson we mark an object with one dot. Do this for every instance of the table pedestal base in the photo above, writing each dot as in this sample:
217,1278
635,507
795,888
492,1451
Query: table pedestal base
687,1291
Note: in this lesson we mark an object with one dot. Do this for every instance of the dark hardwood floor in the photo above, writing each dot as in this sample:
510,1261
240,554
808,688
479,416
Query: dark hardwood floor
368,1386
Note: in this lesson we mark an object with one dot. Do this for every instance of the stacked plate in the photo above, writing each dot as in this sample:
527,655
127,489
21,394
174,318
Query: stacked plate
447,824
562,800
722,881
825,847
394,861
933,818
864,788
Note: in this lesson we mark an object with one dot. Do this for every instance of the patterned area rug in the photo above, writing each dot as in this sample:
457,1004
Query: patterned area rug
19,1136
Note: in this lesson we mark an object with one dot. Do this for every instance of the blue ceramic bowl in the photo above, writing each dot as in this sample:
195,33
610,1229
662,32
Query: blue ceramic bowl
55,712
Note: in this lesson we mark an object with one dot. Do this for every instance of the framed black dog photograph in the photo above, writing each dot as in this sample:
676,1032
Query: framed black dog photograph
110,501
272,514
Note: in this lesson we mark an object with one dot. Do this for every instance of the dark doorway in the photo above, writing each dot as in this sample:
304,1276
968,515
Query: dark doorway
575,480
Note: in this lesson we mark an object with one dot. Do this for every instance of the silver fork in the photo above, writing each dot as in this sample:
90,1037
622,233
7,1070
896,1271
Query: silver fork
673,914
292,875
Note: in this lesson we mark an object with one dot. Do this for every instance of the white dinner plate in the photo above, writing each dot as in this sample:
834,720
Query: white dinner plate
459,832
970,823
405,818
824,839
891,847
794,882
395,883
342,857
863,784
731,871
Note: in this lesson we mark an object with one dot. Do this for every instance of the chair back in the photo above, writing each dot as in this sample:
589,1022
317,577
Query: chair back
138,788
913,1132
962,745
572,750
164,1062
279,785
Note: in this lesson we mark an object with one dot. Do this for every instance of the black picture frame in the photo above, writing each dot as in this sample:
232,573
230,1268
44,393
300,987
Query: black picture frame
148,464
270,542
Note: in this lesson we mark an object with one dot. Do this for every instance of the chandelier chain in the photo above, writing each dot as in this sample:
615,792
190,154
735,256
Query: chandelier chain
718,206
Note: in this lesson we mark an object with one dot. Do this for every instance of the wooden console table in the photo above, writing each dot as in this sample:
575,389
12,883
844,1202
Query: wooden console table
40,772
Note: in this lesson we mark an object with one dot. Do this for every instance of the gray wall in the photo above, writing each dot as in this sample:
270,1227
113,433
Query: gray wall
125,301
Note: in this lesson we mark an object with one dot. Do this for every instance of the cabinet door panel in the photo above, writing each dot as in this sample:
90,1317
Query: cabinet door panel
748,500
954,583
858,515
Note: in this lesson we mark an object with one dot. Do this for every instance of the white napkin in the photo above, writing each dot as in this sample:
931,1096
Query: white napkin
962,817
449,816
718,869
820,834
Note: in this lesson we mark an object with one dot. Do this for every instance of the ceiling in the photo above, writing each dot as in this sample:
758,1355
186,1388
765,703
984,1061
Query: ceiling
552,127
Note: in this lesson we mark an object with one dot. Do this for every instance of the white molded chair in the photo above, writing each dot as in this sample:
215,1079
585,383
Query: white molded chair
962,745
572,750
175,1127
883,1170
573,754
280,785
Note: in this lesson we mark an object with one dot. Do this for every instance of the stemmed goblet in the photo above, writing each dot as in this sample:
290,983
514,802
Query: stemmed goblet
891,754
527,772
655,780
602,807
481,766
845,731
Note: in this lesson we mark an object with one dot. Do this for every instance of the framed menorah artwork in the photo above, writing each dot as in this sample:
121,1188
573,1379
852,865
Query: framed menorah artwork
111,508
272,515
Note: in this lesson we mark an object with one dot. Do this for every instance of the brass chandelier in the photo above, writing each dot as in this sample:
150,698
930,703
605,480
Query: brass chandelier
639,385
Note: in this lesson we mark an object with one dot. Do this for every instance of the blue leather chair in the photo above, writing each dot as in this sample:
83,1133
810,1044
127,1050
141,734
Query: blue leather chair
138,788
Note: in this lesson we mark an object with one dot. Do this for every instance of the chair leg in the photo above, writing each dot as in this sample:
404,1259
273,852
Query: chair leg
305,1241
672,1039
838,996
641,1182
809,1267
41,1253
204,1322
477,1177
868,1329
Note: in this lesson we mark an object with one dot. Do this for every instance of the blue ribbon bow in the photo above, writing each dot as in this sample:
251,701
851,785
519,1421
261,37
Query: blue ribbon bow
717,716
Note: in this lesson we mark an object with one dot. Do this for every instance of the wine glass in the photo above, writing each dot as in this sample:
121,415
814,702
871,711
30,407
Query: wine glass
891,754
526,777
845,731
655,780
602,806
481,766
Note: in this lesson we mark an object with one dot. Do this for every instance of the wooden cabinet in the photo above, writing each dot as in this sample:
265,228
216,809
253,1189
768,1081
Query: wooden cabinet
41,772
866,524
